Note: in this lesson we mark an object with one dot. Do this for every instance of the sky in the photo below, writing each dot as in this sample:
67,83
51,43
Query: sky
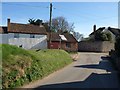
119,14
83,14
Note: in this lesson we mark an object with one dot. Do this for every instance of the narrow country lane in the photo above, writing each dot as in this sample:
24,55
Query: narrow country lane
91,70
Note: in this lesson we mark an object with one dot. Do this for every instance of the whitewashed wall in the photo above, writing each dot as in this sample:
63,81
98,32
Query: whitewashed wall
39,42
3,38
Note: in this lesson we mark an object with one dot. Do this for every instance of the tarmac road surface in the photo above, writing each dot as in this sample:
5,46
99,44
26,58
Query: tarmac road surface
91,70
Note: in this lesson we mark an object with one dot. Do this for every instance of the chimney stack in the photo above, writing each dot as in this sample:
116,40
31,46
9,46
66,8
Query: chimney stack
8,23
94,28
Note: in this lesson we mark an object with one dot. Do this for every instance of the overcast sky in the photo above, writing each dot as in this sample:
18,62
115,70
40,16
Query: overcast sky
83,14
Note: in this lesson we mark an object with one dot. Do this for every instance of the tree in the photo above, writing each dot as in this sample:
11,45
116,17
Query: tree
109,36
78,36
117,46
39,22
60,23
35,21
103,36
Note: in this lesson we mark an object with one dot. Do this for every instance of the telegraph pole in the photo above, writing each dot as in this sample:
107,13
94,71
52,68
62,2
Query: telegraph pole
50,15
50,23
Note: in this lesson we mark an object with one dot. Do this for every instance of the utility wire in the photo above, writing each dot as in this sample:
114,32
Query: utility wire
85,16
59,10
26,5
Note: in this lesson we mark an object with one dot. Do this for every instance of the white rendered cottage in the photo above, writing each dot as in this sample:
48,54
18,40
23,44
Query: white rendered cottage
24,35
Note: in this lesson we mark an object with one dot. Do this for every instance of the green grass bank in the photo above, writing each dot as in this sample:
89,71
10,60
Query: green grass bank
20,66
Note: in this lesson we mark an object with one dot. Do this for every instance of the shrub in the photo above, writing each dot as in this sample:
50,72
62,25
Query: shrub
109,36
117,46
21,66
103,36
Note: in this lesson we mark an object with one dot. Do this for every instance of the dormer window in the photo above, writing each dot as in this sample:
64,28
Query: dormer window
16,35
32,36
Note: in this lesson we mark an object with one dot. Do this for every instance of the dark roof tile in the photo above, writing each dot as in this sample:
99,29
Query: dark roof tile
56,37
26,28
70,37
115,31
98,30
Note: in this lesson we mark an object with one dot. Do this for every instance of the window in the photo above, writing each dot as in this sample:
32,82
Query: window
32,36
68,45
16,35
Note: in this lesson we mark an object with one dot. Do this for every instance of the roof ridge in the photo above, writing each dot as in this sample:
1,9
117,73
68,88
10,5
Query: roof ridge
26,24
26,28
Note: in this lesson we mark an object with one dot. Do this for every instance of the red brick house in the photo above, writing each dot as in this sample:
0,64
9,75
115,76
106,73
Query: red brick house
63,41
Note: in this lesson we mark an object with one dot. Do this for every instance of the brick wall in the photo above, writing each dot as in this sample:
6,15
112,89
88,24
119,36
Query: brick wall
73,48
97,46
56,45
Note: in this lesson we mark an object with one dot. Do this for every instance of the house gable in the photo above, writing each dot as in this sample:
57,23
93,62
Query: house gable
62,41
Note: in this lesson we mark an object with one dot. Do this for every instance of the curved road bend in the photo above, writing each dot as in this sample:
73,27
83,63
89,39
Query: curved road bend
91,70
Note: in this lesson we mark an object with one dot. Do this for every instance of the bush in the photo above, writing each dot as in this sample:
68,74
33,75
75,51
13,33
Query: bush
109,36
117,46
103,36
21,66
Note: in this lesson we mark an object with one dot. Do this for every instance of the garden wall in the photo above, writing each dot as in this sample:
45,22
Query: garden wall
96,46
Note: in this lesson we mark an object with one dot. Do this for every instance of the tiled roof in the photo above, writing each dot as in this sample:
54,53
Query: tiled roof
3,29
56,37
26,28
115,31
98,30
70,37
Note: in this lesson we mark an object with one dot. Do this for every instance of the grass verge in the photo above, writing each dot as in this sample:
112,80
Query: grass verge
21,66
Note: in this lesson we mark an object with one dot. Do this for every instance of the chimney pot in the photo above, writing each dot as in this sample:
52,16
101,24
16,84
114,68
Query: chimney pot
8,23
8,20
94,28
